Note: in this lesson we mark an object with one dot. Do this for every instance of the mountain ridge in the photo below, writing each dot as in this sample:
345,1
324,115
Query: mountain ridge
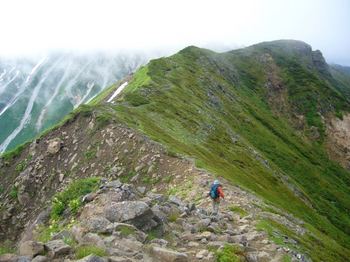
258,117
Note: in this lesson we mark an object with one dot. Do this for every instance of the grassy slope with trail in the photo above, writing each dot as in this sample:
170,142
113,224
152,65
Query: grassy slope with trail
213,108
198,103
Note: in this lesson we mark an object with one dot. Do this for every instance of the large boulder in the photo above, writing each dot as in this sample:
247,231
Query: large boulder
54,145
137,213
167,255
57,248
31,248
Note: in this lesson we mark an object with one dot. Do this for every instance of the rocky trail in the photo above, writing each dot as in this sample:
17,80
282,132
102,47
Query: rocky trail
150,205
128,224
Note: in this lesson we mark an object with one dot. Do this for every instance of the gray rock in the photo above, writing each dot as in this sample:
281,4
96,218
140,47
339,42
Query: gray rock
202,253
137,213
99,225
57,248
191,207
9,258
167,255
193,244
175,200
141,189
205,234
92,258
202,224
160,242
40,259
89,197
23,259
62,235
127,246
134,178
78,232
159,214
252,257
31,248
159,198
132,230
138,168
60,177
119,259
93,239
113,184
216,244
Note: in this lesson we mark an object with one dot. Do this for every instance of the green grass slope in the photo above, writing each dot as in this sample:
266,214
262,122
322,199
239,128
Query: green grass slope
213,108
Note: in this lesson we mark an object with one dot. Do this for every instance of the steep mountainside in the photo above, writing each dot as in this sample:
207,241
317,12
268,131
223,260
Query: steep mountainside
270,102
342,76
268,118
37,93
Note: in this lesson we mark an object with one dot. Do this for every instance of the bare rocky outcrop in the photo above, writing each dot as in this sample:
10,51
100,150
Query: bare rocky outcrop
338,140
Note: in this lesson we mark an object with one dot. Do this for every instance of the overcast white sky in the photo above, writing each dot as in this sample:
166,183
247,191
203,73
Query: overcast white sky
31,26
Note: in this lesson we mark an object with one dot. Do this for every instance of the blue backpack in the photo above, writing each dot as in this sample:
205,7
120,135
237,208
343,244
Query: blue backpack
214,191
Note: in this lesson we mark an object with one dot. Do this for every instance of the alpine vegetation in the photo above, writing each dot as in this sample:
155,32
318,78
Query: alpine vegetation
200,156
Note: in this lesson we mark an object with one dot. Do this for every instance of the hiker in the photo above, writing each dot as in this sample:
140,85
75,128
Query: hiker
215,194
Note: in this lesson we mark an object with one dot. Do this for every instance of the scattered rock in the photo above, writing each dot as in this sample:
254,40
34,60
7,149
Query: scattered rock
61,177
54,145
160,242
252,257
138,168
205,234
201,254
141,189
192,244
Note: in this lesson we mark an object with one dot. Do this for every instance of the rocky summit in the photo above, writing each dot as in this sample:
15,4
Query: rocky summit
126,177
